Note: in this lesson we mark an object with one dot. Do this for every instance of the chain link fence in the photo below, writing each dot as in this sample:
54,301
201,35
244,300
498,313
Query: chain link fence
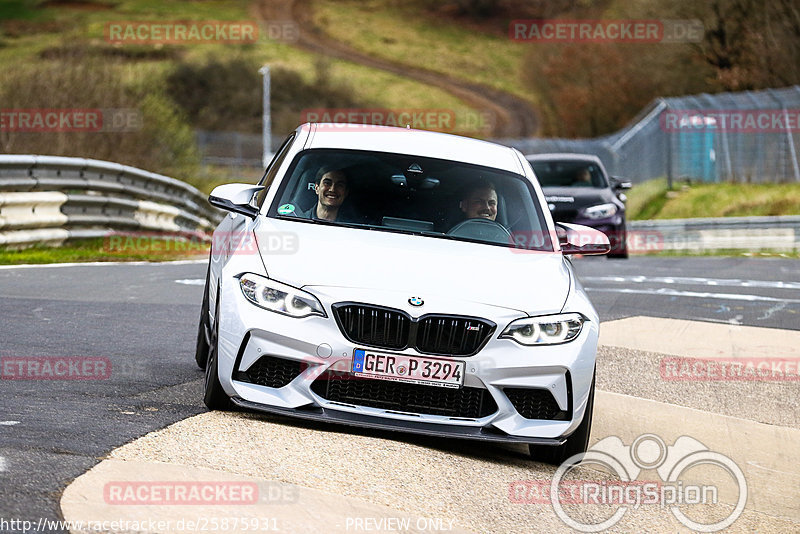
751,136
229,149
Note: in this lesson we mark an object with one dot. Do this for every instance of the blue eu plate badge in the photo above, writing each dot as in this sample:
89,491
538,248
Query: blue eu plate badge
358,361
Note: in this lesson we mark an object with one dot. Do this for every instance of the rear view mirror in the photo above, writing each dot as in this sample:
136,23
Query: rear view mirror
620,183
236,198
578,239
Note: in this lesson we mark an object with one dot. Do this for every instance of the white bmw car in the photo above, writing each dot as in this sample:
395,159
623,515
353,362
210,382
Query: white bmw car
403,280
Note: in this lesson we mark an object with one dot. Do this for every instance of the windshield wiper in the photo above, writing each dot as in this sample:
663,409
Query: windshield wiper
327,222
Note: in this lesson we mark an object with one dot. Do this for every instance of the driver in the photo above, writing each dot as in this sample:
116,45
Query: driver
480,201
583,177
331,188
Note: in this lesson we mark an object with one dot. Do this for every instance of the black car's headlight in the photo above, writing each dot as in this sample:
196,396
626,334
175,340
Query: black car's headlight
278,297
545,330
601,211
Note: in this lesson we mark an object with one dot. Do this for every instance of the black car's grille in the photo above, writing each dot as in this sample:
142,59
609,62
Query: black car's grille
455,336
380,327
446,335
533,403
465,402
271,372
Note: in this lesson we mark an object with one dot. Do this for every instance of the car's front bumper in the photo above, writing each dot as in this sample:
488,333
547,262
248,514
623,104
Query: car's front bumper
327,415
248,333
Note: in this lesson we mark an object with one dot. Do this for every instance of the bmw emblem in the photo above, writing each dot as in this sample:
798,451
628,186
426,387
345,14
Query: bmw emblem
416,301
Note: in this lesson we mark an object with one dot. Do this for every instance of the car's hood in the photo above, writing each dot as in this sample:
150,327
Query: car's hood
528,281
577,197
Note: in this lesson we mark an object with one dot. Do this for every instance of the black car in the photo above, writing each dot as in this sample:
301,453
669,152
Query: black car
578,190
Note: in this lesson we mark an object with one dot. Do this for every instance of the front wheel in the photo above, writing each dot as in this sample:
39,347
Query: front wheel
214,396
203,330
577,442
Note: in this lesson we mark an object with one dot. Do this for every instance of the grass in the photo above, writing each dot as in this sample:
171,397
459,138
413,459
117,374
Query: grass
144,247
646,199
27,35
652,200
55,27
404,32
31,33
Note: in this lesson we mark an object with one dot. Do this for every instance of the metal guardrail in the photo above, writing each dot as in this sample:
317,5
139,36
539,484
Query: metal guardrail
778,233
49,199
52,198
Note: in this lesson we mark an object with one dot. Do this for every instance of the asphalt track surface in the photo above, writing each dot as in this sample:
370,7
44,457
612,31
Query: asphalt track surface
140,320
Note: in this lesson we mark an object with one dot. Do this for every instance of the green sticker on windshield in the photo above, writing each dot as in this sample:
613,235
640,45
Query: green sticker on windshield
286,209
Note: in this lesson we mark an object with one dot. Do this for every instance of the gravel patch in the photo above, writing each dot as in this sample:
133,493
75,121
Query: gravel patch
638,373
474,483
466,481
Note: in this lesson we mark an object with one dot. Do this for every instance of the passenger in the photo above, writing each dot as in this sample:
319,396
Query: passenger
331,188
480,201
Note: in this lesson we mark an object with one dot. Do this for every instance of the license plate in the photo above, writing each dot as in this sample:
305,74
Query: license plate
409,369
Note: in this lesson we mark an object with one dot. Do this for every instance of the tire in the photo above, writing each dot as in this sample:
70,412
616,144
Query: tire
203,331
577,442
214,396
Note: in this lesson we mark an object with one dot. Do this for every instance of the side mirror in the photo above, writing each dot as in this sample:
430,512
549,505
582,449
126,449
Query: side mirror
578,239
620,183
236,198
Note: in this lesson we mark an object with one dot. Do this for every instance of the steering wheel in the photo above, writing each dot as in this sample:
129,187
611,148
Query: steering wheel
481,229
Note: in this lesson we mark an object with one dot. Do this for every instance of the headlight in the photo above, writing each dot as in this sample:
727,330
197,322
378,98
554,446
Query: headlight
603,211
280,298
545,330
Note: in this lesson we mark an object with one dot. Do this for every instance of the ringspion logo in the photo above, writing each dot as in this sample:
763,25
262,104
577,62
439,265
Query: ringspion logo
626,492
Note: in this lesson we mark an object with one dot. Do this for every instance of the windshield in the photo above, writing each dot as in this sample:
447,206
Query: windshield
410,194
566,173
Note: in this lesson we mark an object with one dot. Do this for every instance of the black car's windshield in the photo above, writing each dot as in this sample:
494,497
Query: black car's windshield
566,173
410,194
